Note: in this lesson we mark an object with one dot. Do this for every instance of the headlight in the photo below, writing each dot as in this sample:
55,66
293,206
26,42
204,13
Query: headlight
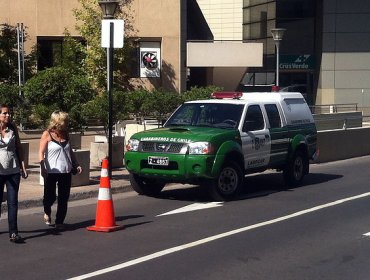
132,145
200,148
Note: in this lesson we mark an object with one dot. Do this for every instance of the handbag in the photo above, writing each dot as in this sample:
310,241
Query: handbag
43,170
74,169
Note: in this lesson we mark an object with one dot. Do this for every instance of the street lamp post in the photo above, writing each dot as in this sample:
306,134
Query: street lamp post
277,35
108,8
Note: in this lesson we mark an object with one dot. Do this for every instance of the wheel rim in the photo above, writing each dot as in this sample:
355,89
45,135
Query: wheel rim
298,168
228,181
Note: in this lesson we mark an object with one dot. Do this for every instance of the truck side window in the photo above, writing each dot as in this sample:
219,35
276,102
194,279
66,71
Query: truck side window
253,119
273,115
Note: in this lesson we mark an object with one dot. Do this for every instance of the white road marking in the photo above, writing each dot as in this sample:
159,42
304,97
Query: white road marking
366,234
193,207
215,237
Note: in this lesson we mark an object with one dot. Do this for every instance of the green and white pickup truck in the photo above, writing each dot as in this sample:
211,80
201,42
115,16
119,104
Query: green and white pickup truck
216,142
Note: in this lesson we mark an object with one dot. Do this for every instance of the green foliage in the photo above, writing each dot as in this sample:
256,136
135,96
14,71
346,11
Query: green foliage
9,94
98,108
139,101
89,18
9,55
162,103
57,88
197,93
73,54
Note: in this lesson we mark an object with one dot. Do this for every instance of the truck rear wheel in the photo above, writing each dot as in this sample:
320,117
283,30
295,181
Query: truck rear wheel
296,169
228,183
146,186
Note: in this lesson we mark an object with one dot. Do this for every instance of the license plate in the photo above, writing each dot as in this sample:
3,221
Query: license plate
158,161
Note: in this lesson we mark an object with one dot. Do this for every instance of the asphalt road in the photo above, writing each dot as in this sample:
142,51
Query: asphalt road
317,231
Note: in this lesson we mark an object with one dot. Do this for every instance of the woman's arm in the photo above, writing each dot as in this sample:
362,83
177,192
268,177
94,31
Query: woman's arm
75,162
45,138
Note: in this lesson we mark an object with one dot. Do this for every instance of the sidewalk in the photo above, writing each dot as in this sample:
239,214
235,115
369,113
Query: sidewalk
31,192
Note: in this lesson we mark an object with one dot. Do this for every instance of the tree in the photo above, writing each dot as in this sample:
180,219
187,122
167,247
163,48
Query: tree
196,93
58,88
157,99
89,17
98,108
9,55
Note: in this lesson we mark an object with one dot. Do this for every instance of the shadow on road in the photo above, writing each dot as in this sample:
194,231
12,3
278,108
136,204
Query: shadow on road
51,230
255,185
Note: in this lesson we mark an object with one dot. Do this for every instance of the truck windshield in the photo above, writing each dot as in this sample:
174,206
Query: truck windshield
207,114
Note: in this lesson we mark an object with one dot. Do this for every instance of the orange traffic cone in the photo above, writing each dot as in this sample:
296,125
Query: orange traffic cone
105,219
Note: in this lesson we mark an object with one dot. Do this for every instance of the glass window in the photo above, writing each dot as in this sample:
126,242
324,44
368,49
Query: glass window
253,119
50,51
207,114
273,115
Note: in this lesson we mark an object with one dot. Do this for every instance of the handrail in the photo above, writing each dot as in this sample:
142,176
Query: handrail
333,108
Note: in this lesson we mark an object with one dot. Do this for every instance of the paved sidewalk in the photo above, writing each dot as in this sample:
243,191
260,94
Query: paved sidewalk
31,191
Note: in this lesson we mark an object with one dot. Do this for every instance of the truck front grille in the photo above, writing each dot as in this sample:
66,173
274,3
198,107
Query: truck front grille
160,147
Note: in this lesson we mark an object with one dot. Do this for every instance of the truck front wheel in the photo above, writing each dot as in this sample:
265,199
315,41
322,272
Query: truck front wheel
146,186
228,183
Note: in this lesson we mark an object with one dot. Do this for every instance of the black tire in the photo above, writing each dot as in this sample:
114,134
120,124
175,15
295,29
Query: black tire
146,186
228,183
296,169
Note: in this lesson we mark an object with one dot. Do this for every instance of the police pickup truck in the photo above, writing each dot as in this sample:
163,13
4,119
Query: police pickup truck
216,142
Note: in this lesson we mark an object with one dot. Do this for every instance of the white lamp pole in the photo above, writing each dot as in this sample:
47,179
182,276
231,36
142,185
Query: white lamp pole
277,35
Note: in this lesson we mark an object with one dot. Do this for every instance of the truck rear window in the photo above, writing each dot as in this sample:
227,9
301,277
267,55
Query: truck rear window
207,114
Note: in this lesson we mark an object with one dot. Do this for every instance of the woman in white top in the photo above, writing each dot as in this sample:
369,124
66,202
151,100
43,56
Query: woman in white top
11,168
57,161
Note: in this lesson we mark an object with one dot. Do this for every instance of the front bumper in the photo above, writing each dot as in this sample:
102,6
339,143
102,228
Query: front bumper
181,167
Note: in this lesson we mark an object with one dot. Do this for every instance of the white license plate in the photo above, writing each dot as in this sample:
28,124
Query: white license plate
158,161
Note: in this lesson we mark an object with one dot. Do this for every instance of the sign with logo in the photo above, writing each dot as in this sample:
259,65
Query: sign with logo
150,59
297,62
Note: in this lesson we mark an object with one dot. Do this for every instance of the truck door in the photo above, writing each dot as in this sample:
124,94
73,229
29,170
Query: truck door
256,142
278,135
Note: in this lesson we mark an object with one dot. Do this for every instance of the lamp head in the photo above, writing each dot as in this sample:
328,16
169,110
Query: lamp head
108,8
277,33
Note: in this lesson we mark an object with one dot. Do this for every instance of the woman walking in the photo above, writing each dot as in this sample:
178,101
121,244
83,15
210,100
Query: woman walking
57,161
11,168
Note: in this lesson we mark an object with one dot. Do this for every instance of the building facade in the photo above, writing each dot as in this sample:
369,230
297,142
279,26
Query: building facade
325,50
161,34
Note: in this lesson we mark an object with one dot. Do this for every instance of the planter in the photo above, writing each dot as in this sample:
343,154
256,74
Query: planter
132,128
115,139
99,151
75,140
83,158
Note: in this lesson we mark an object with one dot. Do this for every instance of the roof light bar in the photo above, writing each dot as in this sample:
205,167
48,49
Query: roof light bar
275,88
227,94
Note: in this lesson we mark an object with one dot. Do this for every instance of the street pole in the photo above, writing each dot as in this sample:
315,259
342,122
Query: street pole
277,35
277,44
110,98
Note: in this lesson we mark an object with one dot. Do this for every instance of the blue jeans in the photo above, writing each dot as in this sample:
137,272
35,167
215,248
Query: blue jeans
12,187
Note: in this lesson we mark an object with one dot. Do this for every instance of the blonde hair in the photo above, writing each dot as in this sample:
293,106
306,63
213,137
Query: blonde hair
59,121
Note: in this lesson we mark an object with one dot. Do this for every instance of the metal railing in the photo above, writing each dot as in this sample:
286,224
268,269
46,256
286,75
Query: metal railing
334,108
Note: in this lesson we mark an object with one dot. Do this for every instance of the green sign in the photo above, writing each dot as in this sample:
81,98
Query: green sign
297,62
